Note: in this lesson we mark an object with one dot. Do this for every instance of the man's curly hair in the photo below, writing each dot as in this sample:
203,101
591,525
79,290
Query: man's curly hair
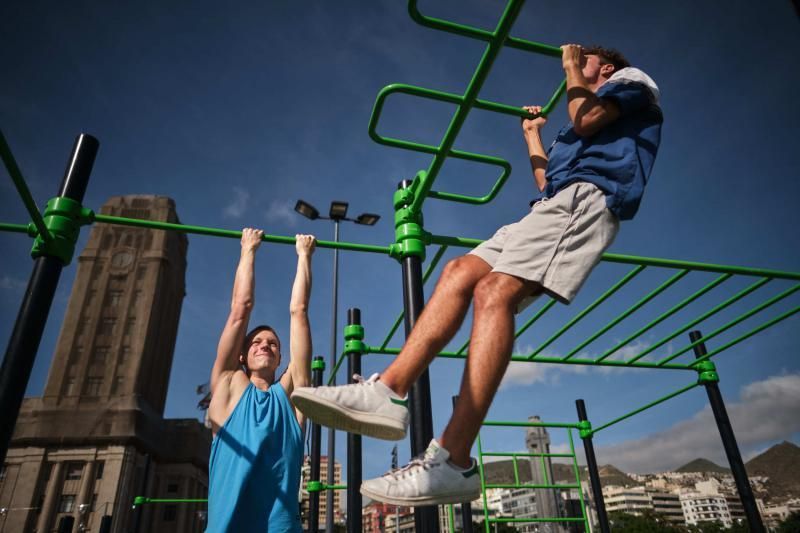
608,56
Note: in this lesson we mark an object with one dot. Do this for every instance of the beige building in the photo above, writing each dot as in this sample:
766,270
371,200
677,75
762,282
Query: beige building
323,503
97,438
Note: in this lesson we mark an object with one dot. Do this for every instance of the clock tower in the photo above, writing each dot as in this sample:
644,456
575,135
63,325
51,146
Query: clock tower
97,437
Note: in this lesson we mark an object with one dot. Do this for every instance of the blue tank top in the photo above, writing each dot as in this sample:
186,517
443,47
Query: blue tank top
254,469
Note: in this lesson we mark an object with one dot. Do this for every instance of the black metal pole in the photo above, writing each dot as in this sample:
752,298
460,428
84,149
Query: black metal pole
331,480
32,317
354,476
66,524
139,511
729,443
105,524
316,443
466,507
594,474
426,519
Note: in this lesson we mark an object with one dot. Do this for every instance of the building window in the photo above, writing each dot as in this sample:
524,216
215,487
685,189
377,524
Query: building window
74,471
170,513
172,488
92,386
114,298
3,473
124,355
100,355
129,325
69,386
67,503
98,470
116,385
107,325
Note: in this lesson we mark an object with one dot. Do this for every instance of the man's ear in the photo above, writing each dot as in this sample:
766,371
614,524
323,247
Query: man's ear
607,70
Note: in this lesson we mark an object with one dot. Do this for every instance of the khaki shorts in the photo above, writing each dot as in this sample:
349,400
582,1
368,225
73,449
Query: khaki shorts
557,244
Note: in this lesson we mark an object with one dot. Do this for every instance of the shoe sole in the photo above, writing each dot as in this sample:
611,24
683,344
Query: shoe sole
333,415
421,500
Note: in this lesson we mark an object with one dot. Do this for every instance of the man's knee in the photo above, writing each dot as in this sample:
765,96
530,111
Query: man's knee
498,290
465,271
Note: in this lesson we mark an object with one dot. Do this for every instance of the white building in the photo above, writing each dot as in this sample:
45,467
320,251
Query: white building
703,507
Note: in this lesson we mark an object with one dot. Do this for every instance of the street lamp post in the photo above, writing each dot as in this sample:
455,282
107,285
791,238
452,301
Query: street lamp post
337,213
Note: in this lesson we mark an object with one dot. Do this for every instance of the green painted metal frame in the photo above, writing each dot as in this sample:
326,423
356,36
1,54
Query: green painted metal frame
548,484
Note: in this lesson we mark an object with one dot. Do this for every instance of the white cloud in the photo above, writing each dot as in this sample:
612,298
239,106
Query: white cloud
282,212
765,412
7,283
238,205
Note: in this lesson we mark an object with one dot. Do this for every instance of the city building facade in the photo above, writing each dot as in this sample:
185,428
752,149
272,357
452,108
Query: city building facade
96,438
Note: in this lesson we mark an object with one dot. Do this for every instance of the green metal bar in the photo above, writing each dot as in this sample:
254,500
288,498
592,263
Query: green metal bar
680,305
730,301
648,406
139,500
578,479
747,335
557,360
495,44
465,242
336,368
661,288
532,486
22,189
775,299
483,483
516,468
201,230
475,33
526,520
544,470
17,228
518,454
512,424
606,295
434,262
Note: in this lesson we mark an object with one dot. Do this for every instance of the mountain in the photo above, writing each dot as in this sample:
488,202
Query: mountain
781,464
702,465
502,472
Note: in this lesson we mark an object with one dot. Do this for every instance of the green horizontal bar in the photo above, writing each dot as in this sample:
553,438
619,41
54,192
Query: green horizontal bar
591,307
465,242
512,454
139,500
677,307
661,288
556,360
431,266
214,232
730,301
775,299
513,424
525,520
530,486
22,189
747,335
648,406
16,228
476,33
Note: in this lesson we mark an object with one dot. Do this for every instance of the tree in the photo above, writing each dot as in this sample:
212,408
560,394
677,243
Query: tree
648,522
791,524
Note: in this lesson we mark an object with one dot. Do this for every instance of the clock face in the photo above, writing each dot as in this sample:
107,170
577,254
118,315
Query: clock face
121,259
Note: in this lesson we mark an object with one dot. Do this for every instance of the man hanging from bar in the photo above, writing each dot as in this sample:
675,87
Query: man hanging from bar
257,451
592,176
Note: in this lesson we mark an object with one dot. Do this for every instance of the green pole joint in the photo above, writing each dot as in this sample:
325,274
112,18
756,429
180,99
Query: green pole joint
354,339
318,364
585,428
707,373
315,486
139,500
63,218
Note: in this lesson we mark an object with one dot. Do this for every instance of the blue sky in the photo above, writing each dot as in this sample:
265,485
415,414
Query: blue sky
236,112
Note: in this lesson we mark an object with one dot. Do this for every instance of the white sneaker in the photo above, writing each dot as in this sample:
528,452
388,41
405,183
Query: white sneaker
367,407
426,480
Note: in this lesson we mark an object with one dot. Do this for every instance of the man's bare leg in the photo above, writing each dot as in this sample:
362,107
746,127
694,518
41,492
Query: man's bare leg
438,323
491,341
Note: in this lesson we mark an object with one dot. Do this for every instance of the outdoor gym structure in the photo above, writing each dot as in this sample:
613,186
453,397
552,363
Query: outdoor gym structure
56,232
